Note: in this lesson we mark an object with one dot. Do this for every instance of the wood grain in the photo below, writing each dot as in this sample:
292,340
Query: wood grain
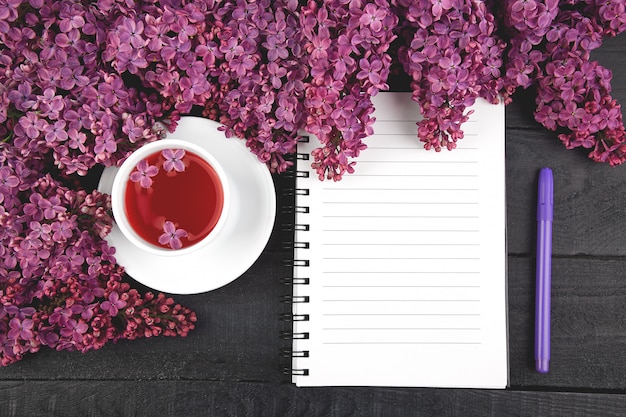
202,398
237,339
589,198
588,328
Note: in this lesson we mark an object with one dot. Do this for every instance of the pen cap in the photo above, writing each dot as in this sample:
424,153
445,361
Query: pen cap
545,196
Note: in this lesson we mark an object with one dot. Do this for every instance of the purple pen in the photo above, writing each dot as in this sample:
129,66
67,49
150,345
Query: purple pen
544,269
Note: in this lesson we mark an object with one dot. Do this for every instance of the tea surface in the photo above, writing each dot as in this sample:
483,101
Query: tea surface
192,199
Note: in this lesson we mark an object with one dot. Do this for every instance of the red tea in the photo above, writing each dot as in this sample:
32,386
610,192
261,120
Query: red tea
173,199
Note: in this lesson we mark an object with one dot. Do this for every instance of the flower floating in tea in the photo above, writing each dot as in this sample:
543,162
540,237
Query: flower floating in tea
171,235
173,159
143,174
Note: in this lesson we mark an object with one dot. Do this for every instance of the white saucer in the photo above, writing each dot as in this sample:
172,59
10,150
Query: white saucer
243,237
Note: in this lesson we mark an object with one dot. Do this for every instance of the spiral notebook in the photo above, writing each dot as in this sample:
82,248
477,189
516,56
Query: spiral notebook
400,268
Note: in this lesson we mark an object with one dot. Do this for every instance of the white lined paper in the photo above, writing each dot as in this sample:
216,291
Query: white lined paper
407,259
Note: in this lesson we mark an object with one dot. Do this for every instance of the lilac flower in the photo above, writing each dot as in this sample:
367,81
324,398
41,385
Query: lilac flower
32,125
370,70
76,140
133,129
242,64
74,21
143,173
40,231
56,132
276,45
21,328
373,17
7,180
130,60
195,88
113,304
277,73
173,159
231,49
22,97
93,265
319,47
50,104
171,235
61,230
130,32
73,330
186,30
439,6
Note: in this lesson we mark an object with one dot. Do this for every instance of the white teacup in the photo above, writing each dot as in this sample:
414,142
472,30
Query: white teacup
122,196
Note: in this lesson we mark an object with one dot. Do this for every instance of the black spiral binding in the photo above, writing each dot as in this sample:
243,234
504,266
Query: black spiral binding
290,281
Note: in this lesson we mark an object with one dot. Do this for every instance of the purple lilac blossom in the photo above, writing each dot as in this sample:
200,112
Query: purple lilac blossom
60,284
58,97
549,48
143,173
453,56
173,160
270,69
171,235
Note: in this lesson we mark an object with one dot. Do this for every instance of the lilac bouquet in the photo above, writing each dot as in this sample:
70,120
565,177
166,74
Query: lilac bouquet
268,70
58,96
83,84
549,48
60,285
453,56
63,111
90,82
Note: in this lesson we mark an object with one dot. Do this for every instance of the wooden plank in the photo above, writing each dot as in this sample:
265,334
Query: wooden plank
238,328
203,398
612,55
588,328
589,198
236,338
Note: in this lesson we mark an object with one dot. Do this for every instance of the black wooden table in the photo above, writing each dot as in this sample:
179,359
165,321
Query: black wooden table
230,365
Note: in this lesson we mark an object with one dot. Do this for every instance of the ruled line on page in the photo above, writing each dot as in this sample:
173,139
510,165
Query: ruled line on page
403,230
400,286
387,216
400,244
409,161
404,202
395,300
402,343
405,314
391,119
413,148
402,258
402,328
359,174
340,188
400,272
